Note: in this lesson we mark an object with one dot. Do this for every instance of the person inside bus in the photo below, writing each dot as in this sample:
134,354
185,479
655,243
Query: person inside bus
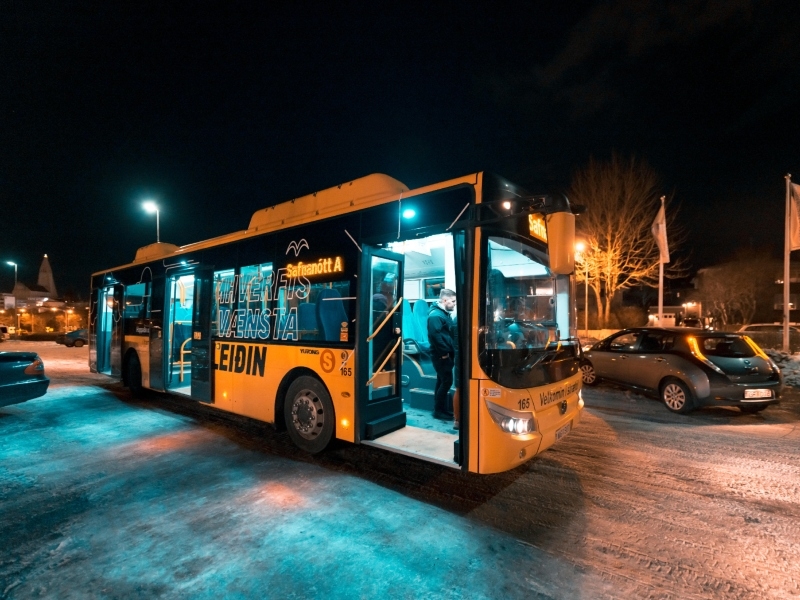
443,350
456,373
383,301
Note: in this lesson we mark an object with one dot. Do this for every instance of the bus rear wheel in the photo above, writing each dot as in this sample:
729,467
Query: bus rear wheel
308,413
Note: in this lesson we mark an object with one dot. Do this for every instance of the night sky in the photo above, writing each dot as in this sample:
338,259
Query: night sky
218,109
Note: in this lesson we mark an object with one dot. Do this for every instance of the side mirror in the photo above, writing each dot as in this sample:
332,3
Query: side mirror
561,242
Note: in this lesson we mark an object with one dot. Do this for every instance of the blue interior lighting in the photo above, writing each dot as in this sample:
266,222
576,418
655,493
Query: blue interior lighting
409,213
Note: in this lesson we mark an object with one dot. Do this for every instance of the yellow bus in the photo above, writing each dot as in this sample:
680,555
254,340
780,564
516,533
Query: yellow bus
314,319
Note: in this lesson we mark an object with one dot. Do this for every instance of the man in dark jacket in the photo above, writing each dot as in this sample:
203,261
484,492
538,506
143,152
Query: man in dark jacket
443,350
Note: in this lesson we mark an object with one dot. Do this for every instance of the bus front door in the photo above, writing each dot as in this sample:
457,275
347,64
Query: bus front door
380,349
177,346
106,331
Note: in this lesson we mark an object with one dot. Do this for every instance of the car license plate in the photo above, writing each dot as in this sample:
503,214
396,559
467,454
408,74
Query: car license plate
758,393
563,431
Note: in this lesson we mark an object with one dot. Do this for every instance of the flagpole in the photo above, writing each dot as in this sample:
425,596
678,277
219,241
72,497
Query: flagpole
661,281
787,251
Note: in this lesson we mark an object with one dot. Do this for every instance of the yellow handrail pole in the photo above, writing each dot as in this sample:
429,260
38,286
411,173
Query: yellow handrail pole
391,312
385,360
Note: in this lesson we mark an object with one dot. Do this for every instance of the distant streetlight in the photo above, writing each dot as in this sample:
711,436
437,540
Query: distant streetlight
581,247
151,207
13,264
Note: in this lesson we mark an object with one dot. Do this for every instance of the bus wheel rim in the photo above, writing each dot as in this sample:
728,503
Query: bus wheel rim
674,396
307,414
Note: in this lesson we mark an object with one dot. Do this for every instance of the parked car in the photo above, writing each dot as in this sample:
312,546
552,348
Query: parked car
4,334
767,328
77,338
21,377
687,368
770,335
692,322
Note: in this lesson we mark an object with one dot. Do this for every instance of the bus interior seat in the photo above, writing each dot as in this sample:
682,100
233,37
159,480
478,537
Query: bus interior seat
330,314
307,320
421,330
409,325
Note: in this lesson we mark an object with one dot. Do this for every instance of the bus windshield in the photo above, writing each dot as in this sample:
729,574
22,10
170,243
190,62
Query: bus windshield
520,299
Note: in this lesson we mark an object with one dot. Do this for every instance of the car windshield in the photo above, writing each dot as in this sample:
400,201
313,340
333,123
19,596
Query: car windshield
725,346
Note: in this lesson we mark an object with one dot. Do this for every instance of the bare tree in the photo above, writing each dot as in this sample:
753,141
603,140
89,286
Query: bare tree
622,199
732,292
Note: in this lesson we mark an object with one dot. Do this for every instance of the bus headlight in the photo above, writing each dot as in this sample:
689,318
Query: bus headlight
511,421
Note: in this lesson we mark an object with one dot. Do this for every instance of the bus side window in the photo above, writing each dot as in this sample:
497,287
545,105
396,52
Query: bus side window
253,294
137,301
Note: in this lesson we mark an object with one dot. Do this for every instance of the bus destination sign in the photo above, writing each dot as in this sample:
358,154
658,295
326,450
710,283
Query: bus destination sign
537,227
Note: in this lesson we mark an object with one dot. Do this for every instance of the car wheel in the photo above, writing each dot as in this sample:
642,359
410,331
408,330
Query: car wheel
308,413
78,343
676,396
68,345
588,374
133,375
751,409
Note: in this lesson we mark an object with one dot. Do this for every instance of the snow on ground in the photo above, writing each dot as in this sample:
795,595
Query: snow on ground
789,365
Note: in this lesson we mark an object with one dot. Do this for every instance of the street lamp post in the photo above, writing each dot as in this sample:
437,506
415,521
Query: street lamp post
586,301
581,248
152,207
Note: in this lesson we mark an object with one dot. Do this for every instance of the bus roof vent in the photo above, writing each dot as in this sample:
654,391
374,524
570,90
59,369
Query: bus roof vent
153,251
371,190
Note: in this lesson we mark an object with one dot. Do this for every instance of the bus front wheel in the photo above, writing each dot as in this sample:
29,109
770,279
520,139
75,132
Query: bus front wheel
308,412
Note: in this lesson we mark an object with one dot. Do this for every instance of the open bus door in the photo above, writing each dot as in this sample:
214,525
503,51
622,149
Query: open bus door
156,345
178,333
106,330
201,335
379,346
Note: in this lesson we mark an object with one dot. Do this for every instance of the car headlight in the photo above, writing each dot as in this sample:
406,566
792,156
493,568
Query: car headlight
511,421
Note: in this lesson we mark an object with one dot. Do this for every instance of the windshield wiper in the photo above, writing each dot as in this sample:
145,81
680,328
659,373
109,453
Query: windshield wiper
539,356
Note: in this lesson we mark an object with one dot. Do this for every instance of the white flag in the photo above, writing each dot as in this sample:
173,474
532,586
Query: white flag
659,230
794,218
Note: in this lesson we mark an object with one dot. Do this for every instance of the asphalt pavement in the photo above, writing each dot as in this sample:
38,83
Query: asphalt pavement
104,496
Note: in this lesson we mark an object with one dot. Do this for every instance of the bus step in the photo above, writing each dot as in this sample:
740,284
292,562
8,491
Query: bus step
420,398
385,425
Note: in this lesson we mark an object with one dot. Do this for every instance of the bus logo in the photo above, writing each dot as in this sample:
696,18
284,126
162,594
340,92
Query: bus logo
327,361
297,246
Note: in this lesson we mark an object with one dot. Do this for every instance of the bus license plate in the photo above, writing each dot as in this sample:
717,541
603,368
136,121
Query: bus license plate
563,431
758,393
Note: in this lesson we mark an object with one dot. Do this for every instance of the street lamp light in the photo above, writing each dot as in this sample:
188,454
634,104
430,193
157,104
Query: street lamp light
13,264
151,207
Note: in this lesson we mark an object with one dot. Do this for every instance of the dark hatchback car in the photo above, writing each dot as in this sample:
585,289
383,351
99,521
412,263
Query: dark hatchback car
21,377
686,368
77,338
